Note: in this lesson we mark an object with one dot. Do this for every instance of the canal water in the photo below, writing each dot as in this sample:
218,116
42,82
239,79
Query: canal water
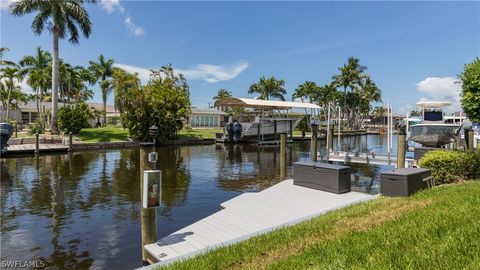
82,210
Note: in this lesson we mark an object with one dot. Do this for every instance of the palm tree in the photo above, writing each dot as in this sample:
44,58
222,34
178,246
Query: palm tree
122,83
350,76
37,68
307,90
5,62
268,87
221,94
103,69
10,77
68,17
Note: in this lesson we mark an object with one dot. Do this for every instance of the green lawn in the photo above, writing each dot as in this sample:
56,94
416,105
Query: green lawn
435,229
199,133
103,134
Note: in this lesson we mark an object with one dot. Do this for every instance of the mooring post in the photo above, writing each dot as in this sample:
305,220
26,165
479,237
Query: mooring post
458,141
401,149
330,140
283,156
258,132
148,216
275,131
37,144
291,129
313,144
70,141
469,136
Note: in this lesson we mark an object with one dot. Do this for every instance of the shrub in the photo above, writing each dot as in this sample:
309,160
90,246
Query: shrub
37,127
72,119
448,166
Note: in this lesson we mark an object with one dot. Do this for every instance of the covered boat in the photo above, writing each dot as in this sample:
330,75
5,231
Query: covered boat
433,131
6,131
265,126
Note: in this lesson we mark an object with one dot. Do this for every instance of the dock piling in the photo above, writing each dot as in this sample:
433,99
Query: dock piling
275,130
283,156
313,144
37,144
401,147
148,216
70,141
330,140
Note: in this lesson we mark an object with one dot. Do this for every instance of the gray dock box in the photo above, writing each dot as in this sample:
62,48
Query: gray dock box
322,176
403,182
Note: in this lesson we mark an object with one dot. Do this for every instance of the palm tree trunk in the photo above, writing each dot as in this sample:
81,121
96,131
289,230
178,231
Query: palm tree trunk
53,124
8,103
104,97
38,105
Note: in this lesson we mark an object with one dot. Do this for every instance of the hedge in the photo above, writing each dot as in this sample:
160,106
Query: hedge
449,166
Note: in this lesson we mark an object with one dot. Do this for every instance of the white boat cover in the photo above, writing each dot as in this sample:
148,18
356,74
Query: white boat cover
268,104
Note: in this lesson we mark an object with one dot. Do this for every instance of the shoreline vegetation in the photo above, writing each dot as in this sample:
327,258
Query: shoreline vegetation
434,229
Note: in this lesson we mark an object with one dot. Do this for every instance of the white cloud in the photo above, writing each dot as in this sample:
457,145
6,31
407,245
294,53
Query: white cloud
133,28
206,72
441,89
214,73
112,5
5,4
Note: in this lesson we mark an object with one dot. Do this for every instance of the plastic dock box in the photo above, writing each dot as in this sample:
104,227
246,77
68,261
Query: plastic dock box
322,176
403,182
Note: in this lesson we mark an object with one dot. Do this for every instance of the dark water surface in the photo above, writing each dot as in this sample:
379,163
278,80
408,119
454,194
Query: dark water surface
82,210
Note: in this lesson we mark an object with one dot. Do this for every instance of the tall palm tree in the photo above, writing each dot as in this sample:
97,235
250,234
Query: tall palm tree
350,76
268,87
103,69
67,18
306,91
10,75
123,82
221,94
37,68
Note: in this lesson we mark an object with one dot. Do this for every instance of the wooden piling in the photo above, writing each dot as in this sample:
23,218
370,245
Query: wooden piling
313,144
401,146
70,141
37,144
275,130
330,140
283,156
148,216
291,129
258,132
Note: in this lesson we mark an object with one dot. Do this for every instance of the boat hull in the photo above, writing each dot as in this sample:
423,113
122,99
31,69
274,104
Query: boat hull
434,135
267,129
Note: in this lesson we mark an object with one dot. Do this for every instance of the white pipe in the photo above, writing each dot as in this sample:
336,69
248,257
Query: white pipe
328,130
391,128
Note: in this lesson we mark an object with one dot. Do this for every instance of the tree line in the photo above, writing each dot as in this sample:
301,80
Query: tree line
350,93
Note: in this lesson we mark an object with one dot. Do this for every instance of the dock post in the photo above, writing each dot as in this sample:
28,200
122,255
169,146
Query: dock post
275,131
148,216
283,156
313,144
291,130
469,137
330,140
401,149
458,141
258,132
70,141
37,144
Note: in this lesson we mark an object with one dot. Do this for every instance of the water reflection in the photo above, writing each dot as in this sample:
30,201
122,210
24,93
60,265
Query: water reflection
81,210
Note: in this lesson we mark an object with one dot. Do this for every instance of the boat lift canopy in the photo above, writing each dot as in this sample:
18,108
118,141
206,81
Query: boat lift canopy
265,104
433,104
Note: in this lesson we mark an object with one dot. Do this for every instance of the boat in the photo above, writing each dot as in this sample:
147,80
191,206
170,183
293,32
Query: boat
6,131
265,126
432,131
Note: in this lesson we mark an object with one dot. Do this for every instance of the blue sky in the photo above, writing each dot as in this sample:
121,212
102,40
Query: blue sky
413,50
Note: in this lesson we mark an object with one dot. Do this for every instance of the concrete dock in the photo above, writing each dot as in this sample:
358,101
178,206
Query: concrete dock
248,215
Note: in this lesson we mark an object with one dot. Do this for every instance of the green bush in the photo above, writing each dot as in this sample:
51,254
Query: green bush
37,127
73,120
448,166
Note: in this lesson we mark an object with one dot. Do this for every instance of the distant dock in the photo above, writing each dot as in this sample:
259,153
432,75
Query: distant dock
248,215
